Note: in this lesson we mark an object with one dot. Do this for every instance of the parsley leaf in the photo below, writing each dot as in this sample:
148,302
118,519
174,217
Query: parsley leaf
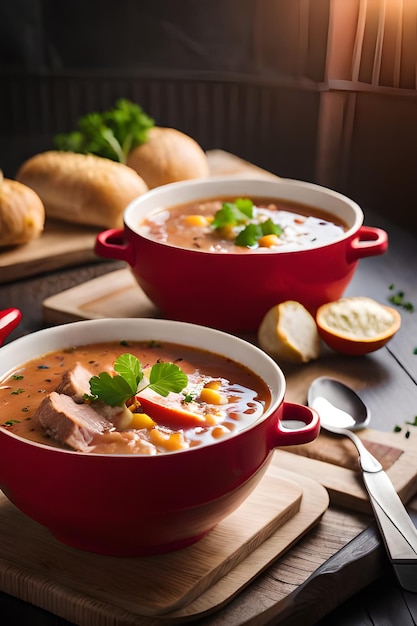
116,390
112,390
232,214
239,214
130,368
166,377
245,206
111,134
271,228
249,235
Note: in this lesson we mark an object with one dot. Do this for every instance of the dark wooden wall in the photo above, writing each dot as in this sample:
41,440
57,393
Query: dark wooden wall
269,80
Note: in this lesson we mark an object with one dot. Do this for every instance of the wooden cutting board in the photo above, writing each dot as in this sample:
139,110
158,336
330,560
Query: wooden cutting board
60,245
81,586
64,245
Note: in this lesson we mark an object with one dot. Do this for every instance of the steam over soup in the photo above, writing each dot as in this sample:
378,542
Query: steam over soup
241,225
131,398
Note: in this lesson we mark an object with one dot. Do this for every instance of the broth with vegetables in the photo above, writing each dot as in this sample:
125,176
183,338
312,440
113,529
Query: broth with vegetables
241,225
52,399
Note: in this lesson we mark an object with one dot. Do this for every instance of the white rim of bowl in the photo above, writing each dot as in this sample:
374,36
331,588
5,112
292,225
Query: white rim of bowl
332,202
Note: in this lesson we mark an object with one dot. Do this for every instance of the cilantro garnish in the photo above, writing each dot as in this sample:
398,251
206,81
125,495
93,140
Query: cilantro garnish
240,215
189,397
251,234
116,390
233,213
111,134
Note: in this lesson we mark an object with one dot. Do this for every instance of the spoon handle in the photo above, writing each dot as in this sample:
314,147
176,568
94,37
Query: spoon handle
397,529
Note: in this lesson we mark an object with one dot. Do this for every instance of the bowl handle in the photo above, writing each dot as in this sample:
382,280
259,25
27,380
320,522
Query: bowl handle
9,319
111,245
369,241
291,412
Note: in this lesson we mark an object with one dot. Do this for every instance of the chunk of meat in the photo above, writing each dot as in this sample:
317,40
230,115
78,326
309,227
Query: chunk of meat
75,383
69,423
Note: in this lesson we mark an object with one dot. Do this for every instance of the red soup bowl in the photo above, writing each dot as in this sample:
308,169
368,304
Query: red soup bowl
234,291
127,504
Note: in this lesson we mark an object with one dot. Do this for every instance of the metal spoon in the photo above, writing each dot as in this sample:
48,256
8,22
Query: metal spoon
340,411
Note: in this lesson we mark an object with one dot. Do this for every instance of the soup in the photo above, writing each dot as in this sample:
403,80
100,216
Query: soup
241,225
51,399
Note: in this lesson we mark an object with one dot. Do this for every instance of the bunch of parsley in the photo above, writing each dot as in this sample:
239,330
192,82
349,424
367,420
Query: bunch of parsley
112,134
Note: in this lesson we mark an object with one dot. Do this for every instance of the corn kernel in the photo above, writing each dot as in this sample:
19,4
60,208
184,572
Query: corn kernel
268,241
220,431
196,220
141,420
167,441
212,419
228,232
213,384
212,396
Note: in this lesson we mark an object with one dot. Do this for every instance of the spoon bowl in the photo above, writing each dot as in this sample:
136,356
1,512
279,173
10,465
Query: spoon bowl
338,405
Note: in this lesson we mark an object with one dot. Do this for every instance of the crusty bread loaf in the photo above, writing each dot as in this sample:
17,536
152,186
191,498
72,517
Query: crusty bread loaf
288,332
22,214
168,156
81,188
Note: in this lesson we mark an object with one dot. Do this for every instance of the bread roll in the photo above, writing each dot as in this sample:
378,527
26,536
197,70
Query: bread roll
22,214
288,332
168,156
80,188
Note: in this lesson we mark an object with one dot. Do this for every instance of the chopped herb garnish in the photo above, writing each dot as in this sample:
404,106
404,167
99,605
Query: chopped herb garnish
11,422
399,300
407,433
189,397
116,390
239,215
249,236
233,213
16,392
17,376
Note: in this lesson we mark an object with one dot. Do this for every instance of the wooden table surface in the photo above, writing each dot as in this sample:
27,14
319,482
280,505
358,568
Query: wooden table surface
386,381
